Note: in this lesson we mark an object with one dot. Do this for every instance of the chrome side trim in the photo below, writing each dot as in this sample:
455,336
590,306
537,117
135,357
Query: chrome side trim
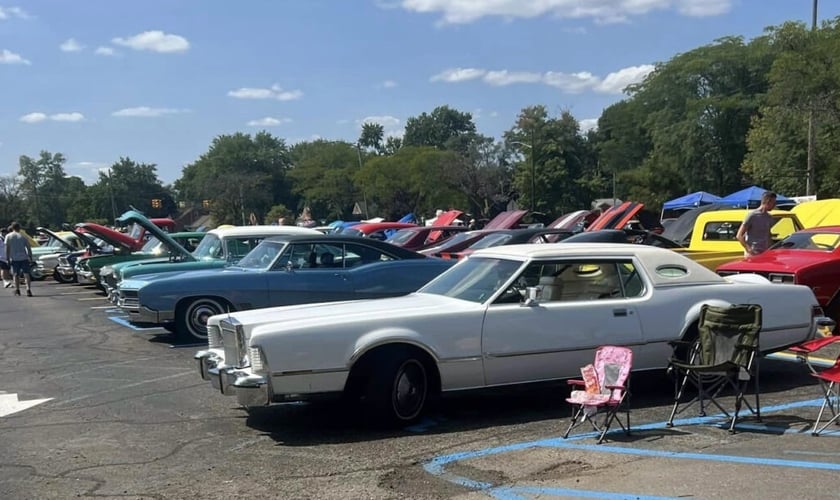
554,351
309,372
460,359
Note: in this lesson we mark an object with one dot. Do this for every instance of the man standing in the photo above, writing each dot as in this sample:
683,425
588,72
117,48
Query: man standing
19,254
754,233
4,262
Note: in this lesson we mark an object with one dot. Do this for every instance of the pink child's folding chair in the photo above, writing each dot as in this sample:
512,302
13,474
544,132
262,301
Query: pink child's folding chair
605,391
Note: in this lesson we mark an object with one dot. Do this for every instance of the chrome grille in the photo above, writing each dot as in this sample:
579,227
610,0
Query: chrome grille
131,304
214,336
233,339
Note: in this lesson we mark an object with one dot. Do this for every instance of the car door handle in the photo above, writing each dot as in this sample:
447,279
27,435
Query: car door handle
619,312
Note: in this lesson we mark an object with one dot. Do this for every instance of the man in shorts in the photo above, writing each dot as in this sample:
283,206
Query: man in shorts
754,233
4,262
19,253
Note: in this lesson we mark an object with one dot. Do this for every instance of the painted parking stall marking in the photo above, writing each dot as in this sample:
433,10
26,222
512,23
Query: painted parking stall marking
439,465
11,404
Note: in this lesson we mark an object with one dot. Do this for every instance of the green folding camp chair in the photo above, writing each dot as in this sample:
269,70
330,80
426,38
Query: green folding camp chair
724,356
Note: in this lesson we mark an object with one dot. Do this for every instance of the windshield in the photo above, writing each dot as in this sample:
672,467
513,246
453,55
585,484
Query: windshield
475,279
492,240
262,255
135,230
52,241
401,236
149,246
826,242
210,248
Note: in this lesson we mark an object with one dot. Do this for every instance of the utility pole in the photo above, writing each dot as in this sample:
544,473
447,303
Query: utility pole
810,180
113,205
241,204
533,170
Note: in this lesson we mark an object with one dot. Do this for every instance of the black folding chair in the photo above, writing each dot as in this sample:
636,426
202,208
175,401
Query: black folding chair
724,356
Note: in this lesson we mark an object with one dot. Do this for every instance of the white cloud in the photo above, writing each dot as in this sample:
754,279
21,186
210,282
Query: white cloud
704,8
155,41
388,84
588,124
9,57
617,81
105,51
570,83
10,12
268,122
601,11
33,117
454,75
275,92
390,124
67,117
38,117
147,112
71,45
505,77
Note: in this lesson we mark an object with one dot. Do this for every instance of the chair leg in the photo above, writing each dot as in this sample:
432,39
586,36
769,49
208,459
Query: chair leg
829,393
574,423
679,389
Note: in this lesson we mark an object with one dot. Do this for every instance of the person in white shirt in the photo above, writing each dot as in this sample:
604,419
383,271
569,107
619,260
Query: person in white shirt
19,253
4,262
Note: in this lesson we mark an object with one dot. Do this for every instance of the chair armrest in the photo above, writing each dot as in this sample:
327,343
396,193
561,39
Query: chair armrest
614,387
576,382
683,343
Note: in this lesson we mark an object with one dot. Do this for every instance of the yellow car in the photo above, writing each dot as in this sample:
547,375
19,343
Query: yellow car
713,241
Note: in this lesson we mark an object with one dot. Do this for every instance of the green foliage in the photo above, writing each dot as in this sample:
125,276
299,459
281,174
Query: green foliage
278,212
321,176
415,179
240,174
438,128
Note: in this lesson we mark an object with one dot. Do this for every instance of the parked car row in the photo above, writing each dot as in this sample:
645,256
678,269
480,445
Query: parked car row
291,313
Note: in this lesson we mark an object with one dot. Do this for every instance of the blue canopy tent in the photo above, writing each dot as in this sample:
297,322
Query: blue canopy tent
751,198
692,200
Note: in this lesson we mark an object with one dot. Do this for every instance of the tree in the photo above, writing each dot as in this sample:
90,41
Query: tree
372,136
12,204
803,79
43,182
127,184
241,175
558,168
484,176
415,179
438,128
320,176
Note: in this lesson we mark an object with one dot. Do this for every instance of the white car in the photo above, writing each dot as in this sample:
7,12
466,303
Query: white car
506,315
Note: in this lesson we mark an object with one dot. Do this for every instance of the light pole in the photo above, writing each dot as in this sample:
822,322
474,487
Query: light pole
533,168
810,178
111,192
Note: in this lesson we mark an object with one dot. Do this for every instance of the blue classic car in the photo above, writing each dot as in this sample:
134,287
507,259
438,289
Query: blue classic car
281,270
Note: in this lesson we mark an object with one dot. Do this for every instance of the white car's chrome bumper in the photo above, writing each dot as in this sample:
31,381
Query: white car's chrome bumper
250,389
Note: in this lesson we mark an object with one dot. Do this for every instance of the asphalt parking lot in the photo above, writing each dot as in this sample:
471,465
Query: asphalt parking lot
118,412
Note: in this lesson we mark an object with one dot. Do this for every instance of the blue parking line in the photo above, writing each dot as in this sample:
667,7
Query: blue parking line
437,466
124,322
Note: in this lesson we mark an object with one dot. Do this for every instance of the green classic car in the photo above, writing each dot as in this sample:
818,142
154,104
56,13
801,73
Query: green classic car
158,251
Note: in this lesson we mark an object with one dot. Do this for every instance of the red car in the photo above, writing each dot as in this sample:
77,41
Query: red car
808,257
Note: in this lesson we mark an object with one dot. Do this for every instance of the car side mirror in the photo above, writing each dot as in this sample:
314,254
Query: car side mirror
534,296
289,266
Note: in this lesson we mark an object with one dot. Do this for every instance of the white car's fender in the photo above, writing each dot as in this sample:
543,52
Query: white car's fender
692,316
384,336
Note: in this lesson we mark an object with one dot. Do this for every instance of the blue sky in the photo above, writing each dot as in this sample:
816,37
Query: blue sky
156,80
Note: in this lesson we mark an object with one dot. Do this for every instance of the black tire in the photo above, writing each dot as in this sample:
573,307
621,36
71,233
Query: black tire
191,317
61,279
35,274
169,327
398,389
